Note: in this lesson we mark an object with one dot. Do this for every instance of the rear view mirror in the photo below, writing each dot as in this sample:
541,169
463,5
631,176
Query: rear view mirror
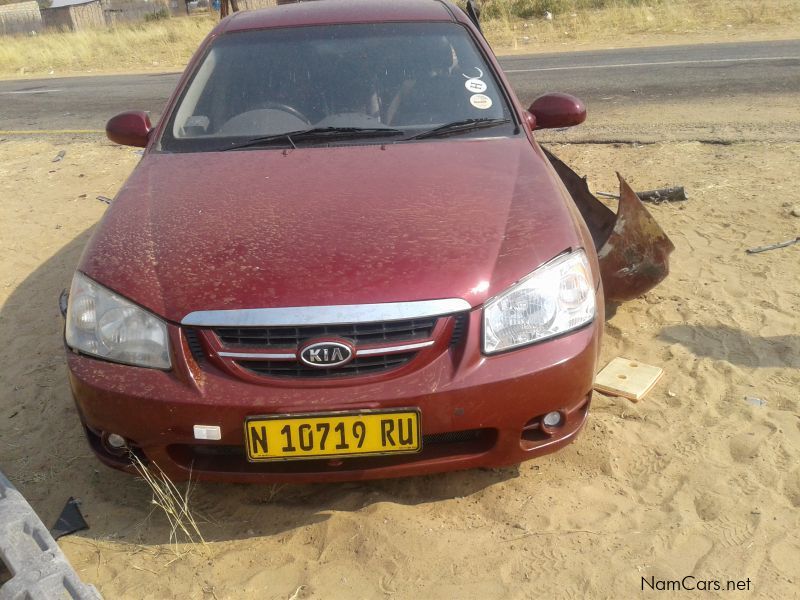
131,128
558,110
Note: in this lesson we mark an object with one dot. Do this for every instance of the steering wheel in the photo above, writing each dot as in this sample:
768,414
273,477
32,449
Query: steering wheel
287,109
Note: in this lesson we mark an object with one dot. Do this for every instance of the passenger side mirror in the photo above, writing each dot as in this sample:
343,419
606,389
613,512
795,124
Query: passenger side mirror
557,110
131,128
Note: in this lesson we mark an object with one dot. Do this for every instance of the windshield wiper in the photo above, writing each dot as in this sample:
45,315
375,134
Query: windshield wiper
317,133
458,127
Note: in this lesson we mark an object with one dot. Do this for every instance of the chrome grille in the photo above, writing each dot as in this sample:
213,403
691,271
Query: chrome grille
358,333
273,351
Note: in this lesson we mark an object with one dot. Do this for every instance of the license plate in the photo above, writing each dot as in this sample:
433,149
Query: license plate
292,437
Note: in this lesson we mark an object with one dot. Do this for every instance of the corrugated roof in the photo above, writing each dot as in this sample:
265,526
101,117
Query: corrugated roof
62,3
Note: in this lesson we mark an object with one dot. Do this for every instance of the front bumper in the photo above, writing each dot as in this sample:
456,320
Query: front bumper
476,411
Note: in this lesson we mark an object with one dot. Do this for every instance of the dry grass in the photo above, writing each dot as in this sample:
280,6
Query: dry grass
620,20
161,45
173,503
168,44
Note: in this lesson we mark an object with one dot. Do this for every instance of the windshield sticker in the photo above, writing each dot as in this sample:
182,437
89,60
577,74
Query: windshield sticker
481,101
475,85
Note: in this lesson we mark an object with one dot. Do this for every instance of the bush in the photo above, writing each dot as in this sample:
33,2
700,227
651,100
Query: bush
160,14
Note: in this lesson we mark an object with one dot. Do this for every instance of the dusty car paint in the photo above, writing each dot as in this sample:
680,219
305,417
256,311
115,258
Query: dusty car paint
349,225
273,236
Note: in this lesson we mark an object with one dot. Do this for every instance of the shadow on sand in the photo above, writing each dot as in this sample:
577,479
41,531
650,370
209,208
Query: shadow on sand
47,457
735,346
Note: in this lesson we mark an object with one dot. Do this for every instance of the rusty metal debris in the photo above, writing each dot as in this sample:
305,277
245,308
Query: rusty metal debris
632,248
670,194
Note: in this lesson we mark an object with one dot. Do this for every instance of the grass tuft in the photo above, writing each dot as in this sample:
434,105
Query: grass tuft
173,503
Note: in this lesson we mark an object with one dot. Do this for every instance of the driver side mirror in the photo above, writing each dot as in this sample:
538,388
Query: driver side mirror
131,128
556,110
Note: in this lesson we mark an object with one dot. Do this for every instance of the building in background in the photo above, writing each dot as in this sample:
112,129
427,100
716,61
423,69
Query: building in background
74,15
80,15
20,17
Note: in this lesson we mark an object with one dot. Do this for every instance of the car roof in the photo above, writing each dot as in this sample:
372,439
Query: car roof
334,12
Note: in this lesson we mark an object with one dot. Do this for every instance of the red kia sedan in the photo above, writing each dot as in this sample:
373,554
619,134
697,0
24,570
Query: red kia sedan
342,256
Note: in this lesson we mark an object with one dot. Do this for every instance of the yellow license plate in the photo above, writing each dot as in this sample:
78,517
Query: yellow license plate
290,437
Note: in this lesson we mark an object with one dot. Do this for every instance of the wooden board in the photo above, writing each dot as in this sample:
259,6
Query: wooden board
627,378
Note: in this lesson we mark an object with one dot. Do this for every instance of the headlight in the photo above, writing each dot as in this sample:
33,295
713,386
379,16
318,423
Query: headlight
105,325
556,298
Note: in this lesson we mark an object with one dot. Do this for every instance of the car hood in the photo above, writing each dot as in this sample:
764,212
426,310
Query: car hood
324,226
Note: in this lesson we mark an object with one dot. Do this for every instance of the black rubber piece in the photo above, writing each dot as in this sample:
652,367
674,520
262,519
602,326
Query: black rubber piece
70,520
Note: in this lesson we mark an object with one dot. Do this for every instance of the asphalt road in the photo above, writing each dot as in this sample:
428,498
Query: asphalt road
606,80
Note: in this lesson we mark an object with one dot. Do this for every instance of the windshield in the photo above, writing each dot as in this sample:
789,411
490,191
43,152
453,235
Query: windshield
410,77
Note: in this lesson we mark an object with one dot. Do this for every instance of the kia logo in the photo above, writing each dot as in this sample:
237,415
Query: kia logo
326,354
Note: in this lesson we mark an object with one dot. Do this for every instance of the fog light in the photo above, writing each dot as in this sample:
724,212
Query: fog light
116,441
552,419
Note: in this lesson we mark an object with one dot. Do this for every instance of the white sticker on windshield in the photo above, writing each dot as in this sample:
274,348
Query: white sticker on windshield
481,101
475,85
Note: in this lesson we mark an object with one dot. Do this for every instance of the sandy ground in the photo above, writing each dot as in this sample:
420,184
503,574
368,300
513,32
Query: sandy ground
715,120
693,480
